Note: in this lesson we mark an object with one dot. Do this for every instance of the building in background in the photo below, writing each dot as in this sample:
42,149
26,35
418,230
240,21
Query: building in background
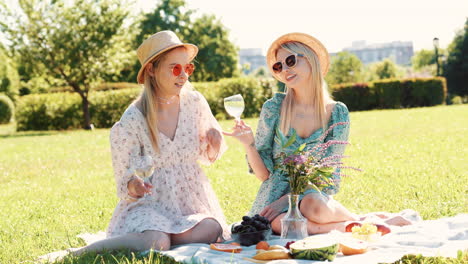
251,59
398,51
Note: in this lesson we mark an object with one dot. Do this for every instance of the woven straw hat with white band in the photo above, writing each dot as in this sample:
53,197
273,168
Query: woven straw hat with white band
157,44
311,42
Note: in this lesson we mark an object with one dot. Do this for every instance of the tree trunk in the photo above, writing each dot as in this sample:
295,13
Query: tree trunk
87,118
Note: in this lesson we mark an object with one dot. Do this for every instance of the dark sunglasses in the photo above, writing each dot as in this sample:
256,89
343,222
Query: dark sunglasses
290,61
188,69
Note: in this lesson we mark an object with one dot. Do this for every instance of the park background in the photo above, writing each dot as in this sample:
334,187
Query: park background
68,72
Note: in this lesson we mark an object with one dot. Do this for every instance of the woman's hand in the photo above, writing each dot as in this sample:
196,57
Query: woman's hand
242,132
213,137
274,209
137,188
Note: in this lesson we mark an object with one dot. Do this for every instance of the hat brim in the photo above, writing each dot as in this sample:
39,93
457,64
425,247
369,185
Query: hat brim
192,50
311,42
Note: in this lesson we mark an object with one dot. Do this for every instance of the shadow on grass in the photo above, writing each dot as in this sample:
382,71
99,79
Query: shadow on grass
29,134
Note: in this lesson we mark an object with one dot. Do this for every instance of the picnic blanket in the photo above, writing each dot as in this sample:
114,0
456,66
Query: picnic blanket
441,237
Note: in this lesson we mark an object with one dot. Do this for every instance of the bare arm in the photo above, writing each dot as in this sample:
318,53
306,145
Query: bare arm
243,133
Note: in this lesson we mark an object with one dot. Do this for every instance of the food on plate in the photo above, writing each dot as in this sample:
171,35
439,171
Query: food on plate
352,246
316,247
366,231
226,247
349,226
272,254
262,245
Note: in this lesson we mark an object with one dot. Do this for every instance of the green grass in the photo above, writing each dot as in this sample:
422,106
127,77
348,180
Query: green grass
58,184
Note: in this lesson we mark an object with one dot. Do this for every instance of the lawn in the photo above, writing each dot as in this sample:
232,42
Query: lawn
58,184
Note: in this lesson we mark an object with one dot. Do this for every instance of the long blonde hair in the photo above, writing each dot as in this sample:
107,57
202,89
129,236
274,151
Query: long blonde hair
318,93
148,100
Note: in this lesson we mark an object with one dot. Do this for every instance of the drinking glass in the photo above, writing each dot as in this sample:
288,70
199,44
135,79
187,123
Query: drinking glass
234,105
142,166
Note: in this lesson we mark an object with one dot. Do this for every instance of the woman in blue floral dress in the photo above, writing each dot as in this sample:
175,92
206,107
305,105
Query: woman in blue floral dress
299,61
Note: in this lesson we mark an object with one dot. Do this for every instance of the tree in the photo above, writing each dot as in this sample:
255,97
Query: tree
78,43
9,78
217,57
423,58
456,68
345,68
386,69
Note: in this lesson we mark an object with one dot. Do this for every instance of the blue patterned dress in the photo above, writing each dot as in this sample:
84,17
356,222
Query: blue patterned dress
276,185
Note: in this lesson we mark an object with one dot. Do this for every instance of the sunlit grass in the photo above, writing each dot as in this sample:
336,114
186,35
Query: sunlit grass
56,185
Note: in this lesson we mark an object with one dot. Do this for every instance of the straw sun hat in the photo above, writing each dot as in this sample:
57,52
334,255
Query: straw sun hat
157,44
311,42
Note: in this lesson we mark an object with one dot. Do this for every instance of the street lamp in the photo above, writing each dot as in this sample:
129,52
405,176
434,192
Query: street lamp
435,41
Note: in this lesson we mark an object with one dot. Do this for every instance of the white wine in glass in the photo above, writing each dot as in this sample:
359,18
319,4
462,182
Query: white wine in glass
143,167
234,105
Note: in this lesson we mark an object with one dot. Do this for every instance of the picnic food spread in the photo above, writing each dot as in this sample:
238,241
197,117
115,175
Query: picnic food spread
318,247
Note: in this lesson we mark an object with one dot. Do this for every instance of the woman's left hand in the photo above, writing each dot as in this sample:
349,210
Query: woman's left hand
274,209
213,137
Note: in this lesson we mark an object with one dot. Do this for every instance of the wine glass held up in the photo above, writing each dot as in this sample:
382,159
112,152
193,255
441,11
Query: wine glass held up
234,105
142,167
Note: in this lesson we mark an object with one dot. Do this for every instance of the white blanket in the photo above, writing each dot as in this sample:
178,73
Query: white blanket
441,237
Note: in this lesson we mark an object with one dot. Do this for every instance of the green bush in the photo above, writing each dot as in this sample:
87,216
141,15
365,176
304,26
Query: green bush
49,112
388,93
106,108
7,109
357,97
59,111
423,92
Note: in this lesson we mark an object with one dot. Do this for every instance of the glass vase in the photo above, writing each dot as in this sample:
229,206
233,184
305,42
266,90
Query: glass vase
293,224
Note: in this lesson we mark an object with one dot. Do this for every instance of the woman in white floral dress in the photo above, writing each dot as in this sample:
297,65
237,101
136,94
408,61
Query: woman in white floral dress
174,125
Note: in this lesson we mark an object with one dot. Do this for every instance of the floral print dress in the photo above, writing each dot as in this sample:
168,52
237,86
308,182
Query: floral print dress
182,195
277,185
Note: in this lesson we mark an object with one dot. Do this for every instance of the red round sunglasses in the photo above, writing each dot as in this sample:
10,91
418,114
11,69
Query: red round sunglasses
188,69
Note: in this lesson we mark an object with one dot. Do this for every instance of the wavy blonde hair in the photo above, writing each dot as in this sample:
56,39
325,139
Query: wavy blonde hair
148,99
318,92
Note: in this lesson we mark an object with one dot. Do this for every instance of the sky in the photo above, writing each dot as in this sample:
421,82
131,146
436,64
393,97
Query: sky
336,23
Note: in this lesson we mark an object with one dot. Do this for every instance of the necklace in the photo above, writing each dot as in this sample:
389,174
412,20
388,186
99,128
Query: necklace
302,115
165,100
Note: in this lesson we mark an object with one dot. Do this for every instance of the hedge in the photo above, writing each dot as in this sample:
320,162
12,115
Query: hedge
392,93
58,111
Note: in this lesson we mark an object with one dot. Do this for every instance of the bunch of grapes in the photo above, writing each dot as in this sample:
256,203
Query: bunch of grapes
365,229
251,224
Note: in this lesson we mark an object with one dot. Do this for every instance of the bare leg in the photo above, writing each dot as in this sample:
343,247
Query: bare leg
323,210
207,231
312,227
133,241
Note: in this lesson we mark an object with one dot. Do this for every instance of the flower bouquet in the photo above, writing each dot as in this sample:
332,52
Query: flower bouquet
311,168
306,169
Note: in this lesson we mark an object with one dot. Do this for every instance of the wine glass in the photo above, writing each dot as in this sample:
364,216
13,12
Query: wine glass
234,105
142,166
